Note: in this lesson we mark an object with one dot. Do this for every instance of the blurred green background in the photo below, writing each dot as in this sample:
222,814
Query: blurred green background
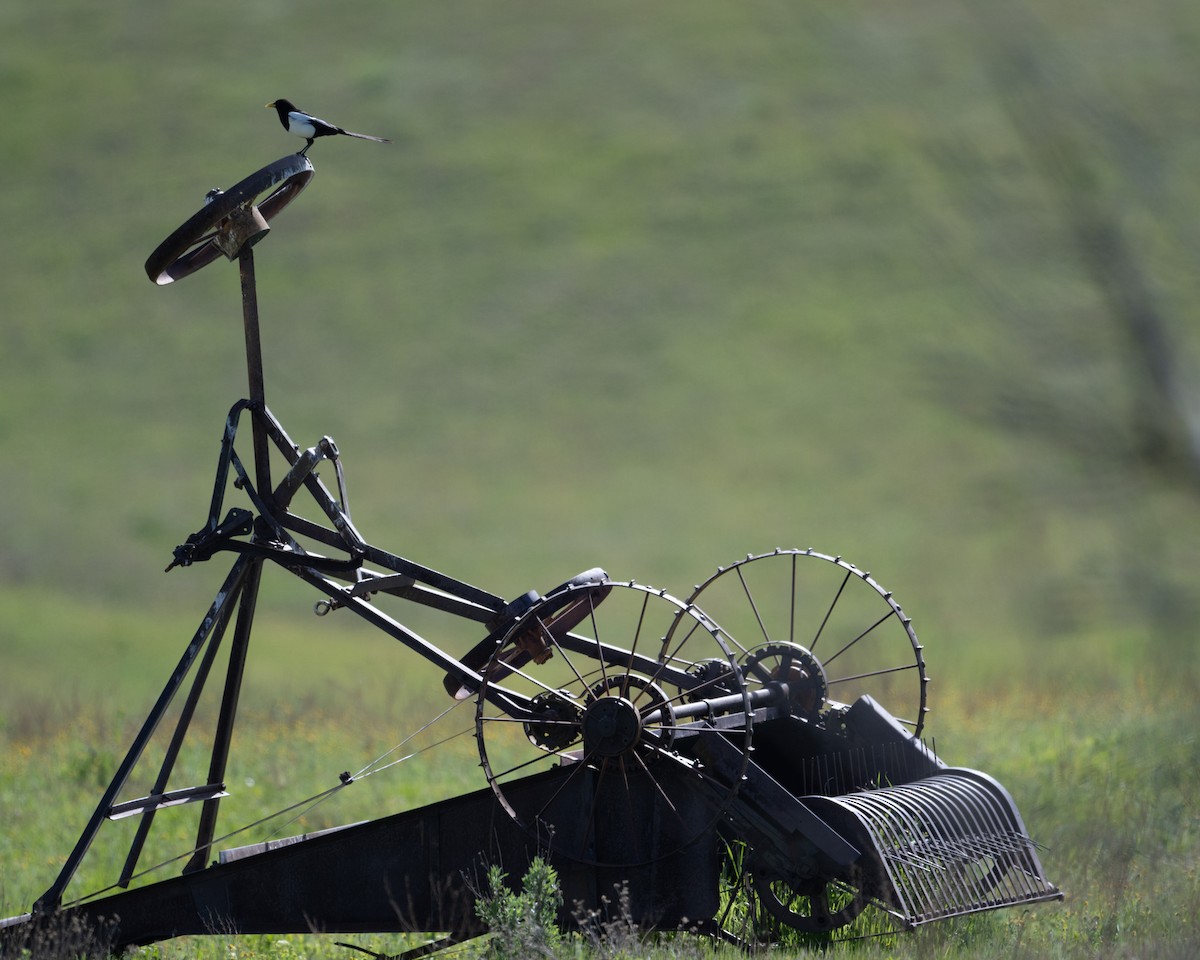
645,286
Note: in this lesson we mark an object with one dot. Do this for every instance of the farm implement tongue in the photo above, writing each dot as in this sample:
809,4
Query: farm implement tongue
718,763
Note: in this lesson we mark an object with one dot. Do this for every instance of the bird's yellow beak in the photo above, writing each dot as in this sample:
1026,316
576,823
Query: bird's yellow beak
271,104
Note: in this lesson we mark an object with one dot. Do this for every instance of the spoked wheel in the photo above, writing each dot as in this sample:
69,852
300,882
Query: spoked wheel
809,906
604,699
852,628
196,243
763,907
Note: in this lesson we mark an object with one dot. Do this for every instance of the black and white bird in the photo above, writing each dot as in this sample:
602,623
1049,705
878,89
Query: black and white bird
308,127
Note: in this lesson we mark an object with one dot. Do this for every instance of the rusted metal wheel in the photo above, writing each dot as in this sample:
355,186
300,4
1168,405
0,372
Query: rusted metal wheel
853,629
762,907
815,906
195,244
594,697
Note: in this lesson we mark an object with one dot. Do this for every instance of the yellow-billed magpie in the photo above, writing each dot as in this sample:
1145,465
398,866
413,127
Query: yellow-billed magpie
308,127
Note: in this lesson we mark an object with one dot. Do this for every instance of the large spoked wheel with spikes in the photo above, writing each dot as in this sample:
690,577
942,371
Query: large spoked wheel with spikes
588,714
824,620
195,244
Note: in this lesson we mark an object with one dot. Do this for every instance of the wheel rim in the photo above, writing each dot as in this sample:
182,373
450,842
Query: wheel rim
193,246
838,614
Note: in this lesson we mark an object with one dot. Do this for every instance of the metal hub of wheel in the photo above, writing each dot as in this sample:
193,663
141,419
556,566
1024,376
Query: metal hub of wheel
601,704
613,724
612,727
838,615
791,664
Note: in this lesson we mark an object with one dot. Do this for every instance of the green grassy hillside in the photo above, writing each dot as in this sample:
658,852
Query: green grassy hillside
641,286
646,289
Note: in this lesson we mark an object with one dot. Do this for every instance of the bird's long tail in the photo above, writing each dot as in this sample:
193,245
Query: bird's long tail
364,136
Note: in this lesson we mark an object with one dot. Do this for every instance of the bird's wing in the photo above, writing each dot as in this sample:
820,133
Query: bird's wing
307,126
300,124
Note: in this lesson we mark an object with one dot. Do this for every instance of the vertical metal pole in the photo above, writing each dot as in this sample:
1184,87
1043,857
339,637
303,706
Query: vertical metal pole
254,368
249,593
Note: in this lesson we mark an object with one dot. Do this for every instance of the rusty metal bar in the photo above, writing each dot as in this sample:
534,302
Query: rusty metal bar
254,369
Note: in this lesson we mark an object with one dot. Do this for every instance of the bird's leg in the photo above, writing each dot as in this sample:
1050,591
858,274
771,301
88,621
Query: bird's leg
304,152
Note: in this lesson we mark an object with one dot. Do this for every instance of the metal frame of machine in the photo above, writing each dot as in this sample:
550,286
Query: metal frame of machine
724,754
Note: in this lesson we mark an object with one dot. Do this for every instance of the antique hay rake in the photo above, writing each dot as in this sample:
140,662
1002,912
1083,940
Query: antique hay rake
725,758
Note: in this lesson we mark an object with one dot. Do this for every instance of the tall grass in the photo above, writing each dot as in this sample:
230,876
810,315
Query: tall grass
1105,786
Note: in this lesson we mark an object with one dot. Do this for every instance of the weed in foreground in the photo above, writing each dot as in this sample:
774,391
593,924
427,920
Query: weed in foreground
524,924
